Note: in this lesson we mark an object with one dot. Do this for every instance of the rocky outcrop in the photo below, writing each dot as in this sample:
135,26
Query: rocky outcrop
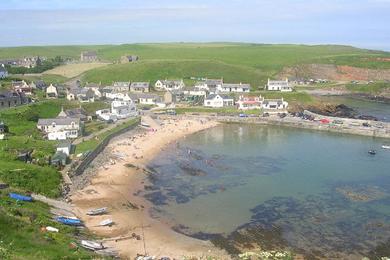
335,72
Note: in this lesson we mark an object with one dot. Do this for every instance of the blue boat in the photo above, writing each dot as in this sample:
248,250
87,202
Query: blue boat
69,221
17,196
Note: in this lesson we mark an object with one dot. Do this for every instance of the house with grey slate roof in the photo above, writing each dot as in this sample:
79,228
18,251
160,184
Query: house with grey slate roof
142,87
60,128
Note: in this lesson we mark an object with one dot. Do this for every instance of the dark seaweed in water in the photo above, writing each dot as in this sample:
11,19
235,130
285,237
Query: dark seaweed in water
382,250
316,227
157,198
188,169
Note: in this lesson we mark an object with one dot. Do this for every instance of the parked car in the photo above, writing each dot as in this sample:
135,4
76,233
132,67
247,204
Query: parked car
366,124
243,115
265,115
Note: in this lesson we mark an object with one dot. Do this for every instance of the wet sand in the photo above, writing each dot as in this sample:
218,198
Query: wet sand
115,186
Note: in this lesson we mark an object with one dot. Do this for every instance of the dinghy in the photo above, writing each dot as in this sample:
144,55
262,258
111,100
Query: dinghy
52,229
99,211
143,124
70,221
372,152
106,222
17,196
92,245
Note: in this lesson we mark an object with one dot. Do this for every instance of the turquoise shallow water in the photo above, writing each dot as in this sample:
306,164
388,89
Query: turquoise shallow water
313,192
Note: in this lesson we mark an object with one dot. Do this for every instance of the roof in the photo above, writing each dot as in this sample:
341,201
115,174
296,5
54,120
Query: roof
58,121
40,83
172,82
65,145
89,53
213,81
278,101
75,112
139,85
92,85
240,85
212,96
121,84
10,94
277,82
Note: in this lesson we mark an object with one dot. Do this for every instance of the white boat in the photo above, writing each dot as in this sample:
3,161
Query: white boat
386,146
52,229
99,211
145,125
92,245
106,222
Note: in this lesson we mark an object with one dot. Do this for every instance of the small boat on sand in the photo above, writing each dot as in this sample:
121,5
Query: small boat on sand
91,245
372,152
20,197
99,211
106,222
145,124
386,146
70,221
52,229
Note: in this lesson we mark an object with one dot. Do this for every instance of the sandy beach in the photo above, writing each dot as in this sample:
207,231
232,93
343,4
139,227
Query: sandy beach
114,185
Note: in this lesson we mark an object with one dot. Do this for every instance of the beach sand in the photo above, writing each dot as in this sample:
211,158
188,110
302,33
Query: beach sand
114,185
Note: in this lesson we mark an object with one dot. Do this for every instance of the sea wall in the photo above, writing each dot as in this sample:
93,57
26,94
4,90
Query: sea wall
91,156
349,126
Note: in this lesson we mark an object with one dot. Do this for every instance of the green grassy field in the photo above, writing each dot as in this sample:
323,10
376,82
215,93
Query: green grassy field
21,222
21,236
70,51
374,88
235,62
252,63
154,70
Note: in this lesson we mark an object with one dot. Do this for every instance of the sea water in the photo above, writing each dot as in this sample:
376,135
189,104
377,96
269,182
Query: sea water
317,193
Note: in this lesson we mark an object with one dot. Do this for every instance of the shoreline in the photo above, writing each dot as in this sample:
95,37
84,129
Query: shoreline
114,185
120,171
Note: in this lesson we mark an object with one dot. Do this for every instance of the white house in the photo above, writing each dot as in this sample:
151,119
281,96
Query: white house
217,100
279,85
275,104
234,88
210,84
246,103
106,115
3,72
169,85
121,86
60,128
141,87
84,95
22,87
51,91
118,96
148,99
123,109
195,91
64,147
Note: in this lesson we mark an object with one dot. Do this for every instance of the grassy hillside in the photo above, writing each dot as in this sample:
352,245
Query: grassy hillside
234,62
46,51
154,70
251,63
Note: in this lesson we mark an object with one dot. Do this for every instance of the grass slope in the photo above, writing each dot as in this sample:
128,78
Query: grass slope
73,70
154,70
71,51
251,63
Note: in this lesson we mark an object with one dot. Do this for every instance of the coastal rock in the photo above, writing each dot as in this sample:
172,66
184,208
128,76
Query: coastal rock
363,194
